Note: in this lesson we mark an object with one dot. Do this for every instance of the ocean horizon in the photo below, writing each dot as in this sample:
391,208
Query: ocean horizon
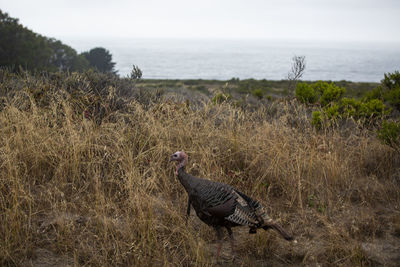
223,59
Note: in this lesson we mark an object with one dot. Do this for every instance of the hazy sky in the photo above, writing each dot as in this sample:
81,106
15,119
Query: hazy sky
340,20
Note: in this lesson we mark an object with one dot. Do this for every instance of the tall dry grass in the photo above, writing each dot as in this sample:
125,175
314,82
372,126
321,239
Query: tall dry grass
104,193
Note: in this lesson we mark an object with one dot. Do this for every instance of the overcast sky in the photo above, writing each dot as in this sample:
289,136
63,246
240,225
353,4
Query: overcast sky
339,20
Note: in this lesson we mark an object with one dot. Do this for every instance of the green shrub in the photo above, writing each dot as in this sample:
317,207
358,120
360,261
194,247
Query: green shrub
324,92
389,90
332,111
389,133
373,108
391,80
350,107
221,97
305,93
258,93
393,97
376,93
317,119
320,87
331,93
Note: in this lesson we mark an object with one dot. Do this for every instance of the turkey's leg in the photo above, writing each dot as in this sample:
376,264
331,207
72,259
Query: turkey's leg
219,236
232,240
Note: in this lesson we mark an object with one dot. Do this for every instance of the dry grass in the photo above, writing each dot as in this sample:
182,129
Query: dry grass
105,194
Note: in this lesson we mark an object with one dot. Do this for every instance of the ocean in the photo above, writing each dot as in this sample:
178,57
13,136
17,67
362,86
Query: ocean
223,59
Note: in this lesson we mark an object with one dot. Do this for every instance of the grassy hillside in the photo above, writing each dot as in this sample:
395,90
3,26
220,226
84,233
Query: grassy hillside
85,178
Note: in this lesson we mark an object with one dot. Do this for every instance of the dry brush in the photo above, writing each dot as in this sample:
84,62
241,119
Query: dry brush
103,193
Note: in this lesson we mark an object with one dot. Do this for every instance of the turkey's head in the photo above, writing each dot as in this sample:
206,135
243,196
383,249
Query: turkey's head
181,158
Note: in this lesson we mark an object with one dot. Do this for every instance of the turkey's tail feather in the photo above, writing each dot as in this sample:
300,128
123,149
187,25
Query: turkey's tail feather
267,222
280,230
264,221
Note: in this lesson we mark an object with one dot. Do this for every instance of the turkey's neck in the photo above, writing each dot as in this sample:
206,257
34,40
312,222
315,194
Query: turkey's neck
180,165
185,179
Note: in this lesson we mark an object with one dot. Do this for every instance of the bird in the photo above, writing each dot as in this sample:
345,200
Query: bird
220,205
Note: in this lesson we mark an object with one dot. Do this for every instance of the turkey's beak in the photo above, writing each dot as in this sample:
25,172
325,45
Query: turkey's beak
171,158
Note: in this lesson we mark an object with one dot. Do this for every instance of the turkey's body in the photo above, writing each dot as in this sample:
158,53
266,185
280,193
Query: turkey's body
219,204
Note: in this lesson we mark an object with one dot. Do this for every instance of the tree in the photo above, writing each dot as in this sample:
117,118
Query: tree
101,59
80,63
21,47
296,72
63,56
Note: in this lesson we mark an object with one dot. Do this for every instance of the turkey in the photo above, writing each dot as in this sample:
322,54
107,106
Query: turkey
220,205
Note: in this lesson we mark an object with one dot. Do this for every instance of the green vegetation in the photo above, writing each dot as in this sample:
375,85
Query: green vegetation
305,93
329,93
388,91
258,93
22,48
329,98
320,91
221,97
389,134
100,59
317,120
372,109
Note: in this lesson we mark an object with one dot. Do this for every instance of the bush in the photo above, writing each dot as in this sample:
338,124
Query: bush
258,93
221,97
331,93
389,133
332,112
365,108
376,93
320,87
317,119
350,107
393,98
373,108
389,90
305,93
322,91
391,80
